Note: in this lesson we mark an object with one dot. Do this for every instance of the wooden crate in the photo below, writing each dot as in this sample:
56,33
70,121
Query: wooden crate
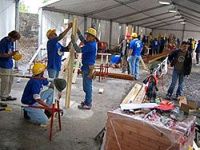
125,132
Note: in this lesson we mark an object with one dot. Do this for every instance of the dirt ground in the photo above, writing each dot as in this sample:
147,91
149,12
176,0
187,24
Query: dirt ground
78,127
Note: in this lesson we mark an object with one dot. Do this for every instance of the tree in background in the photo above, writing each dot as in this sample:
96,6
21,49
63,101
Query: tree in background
23,8
44,1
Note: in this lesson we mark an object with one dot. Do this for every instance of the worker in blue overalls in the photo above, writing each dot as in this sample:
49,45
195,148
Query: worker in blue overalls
89,52
55,51
135,54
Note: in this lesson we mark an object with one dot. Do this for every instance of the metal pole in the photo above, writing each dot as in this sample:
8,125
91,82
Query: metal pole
85,23
110,36
183,32
16,25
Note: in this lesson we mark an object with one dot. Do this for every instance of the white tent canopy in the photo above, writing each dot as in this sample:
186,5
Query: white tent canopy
7,17
141,14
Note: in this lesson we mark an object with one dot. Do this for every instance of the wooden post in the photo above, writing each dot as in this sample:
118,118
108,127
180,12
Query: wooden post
70,70
143,64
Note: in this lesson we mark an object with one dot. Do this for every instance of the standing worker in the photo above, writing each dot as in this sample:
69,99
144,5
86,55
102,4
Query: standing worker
124,46
7,54
181,60
135,54
55,51
89,52
197,53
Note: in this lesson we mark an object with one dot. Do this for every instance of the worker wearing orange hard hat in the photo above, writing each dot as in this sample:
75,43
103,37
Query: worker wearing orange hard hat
7,55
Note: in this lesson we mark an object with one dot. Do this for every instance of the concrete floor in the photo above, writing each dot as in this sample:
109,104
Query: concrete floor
78,127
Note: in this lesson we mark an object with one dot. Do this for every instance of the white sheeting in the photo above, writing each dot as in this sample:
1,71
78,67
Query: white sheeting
7,17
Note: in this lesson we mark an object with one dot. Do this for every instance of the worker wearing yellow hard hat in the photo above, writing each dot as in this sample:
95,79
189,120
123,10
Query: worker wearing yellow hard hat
89,52
38,68
135,54
33,95
55,51
7,54
134,35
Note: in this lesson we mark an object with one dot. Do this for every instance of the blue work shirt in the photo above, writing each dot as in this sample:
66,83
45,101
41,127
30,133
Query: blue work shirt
6,46
54,59
136,46
89,52
34,86
155,44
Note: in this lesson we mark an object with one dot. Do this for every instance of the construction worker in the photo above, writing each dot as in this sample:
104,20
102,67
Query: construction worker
197,53
124,46
55,51
89,52
135,54
33,96
181,60
6,64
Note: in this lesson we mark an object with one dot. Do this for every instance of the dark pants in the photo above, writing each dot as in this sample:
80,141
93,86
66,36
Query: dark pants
197,58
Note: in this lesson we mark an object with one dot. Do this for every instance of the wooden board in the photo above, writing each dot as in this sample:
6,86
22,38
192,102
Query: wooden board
70,69
132,94
126,132
150,59
141,94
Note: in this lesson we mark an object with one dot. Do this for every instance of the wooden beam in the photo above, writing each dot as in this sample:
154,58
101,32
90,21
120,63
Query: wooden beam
132,94
70,70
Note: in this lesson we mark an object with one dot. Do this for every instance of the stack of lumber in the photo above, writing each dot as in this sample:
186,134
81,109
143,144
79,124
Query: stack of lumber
150,58
130,132
136,94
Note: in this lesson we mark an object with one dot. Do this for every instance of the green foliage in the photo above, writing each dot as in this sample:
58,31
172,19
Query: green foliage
22,7
44,1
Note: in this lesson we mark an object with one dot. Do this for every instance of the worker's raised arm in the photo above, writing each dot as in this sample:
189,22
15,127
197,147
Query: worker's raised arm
76,47
82,39
61,36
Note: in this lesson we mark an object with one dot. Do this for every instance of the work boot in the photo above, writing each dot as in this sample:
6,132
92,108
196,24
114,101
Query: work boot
9,98
168,96
3,105
48,114
26,115
84,106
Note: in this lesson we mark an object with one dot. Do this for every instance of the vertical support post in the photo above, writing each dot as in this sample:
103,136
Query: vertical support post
110,35
40,27
70,70
16,25
85,23
183,32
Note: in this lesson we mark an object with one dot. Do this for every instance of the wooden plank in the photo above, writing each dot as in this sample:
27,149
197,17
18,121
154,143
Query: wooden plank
76,68
132,94
143,64
150,59
127,132
70,70
140,97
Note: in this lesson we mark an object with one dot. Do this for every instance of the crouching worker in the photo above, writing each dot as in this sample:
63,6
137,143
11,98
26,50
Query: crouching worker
33,96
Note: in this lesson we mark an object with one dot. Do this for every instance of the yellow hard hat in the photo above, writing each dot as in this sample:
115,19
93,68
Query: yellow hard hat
134,35
38,68
92,31
17,56
50,32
